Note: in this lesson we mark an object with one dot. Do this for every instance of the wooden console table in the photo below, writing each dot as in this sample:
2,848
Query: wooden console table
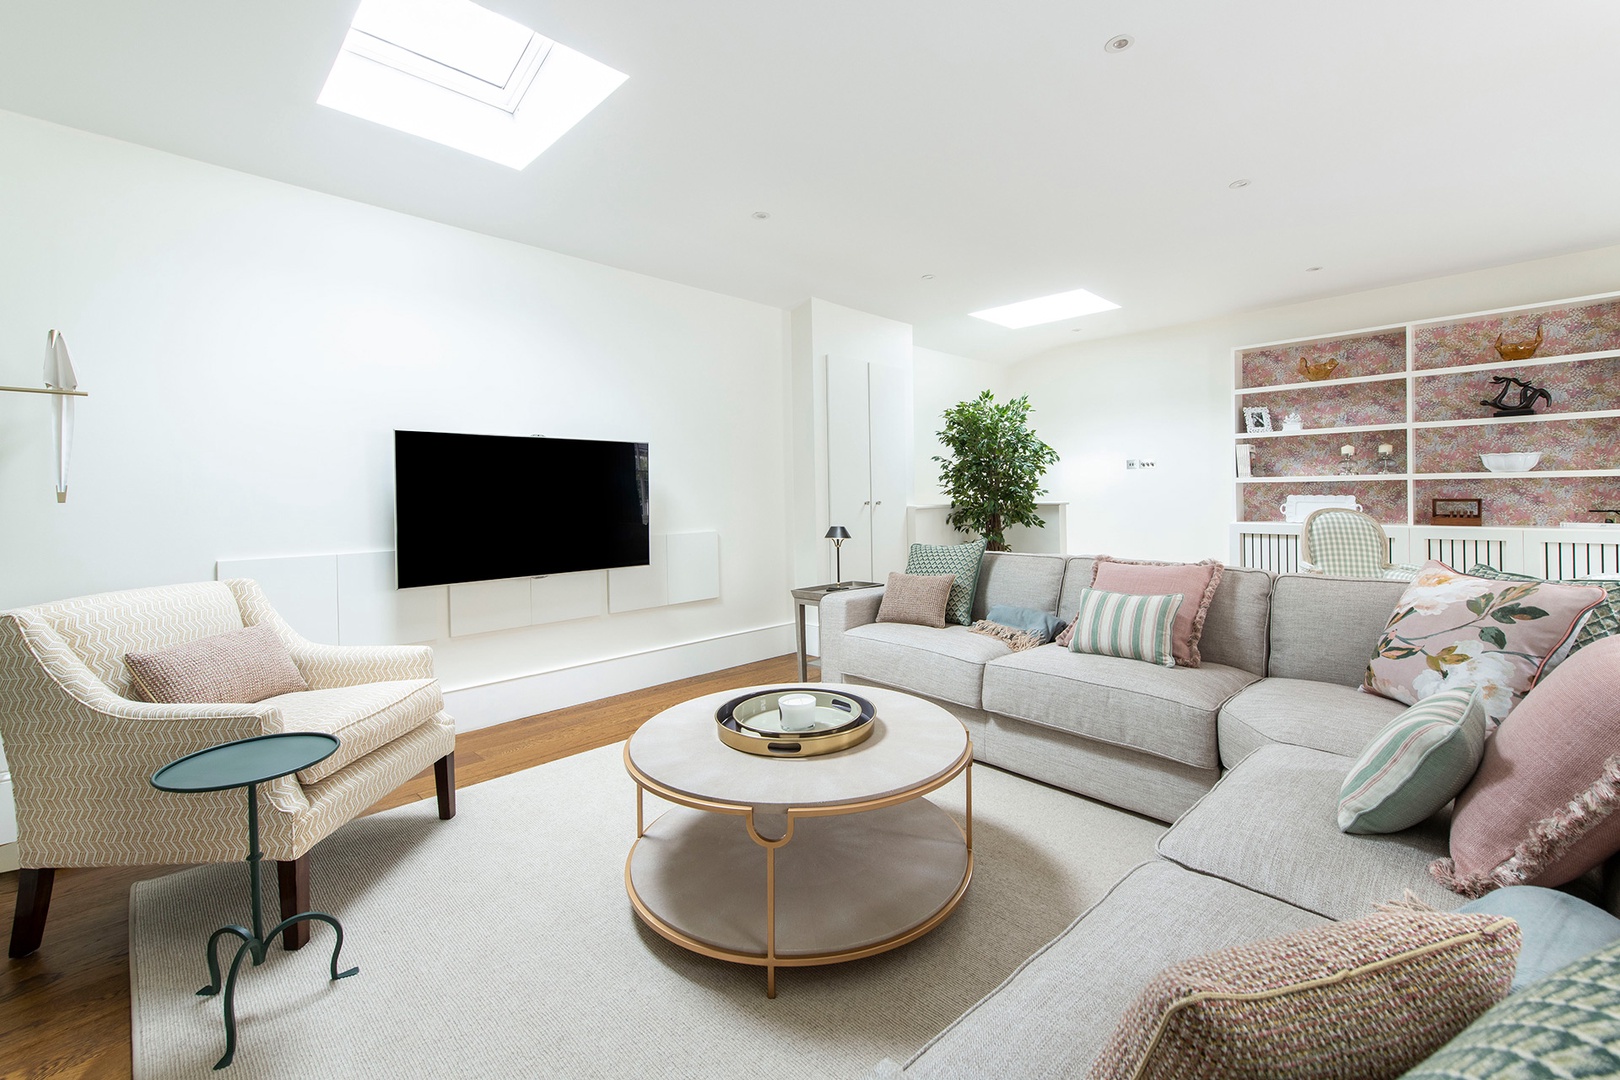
811,596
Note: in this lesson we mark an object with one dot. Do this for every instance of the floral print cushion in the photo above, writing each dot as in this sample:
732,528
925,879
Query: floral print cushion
1452,630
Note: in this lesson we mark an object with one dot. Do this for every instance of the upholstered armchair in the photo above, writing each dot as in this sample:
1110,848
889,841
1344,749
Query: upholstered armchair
82,749
1348,543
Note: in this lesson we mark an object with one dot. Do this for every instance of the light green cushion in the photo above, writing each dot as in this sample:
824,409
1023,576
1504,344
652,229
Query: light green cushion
960,559
1605,618
1125,625
1555,928
1564,1026
1416,764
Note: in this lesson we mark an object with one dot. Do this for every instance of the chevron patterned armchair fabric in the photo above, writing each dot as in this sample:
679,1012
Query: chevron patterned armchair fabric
82,752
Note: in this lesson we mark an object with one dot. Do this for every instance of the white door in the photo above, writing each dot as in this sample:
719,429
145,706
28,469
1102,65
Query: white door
889,424
849,465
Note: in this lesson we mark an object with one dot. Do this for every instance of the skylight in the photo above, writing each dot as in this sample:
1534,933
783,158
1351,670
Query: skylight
1046,309
463,76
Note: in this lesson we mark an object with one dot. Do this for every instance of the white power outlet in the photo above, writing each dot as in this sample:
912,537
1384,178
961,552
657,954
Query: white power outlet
1137,463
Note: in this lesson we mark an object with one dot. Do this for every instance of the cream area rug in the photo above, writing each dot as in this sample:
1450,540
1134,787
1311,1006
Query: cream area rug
502,944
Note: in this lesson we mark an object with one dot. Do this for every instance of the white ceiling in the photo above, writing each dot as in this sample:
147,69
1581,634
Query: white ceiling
995,146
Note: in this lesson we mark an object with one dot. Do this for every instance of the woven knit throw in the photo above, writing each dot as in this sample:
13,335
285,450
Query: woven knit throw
1017,640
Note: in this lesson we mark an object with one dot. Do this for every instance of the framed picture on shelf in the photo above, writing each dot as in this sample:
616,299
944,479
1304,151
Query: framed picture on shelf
1256,418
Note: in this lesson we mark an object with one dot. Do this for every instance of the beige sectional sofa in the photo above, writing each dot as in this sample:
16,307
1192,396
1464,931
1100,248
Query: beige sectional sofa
1255,856
1147,738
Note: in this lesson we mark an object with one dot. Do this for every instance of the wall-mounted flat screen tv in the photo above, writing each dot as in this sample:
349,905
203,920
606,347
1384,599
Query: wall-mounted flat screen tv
481,507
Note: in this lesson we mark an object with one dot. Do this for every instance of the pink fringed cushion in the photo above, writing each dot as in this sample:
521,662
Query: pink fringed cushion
1452,630
1196,582
1541,809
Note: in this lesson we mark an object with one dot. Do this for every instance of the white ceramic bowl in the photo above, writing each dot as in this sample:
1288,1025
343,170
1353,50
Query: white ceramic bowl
1510,463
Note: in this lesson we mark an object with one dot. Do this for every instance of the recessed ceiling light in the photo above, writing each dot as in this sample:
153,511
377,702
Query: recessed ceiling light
928,277
1312,269
1118,44
1046,309
761,215
1238,184
463,76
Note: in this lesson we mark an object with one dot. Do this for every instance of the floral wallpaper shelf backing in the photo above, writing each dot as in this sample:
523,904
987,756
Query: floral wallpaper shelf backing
1402,387
1565,330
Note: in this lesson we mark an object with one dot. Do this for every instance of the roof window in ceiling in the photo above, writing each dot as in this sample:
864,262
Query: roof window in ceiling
463,76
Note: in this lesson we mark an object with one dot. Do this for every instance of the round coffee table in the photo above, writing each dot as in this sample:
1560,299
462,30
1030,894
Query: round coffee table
856,860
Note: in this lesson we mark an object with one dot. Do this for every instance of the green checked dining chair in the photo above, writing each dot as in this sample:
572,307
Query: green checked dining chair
1340,542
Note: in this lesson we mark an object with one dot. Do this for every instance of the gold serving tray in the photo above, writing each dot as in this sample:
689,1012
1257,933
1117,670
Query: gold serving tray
751,723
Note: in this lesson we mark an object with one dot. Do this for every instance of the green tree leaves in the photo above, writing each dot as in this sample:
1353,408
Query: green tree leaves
994,466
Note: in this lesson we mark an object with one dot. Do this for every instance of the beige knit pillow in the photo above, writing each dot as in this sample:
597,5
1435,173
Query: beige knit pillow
918,599
1365,999
239,666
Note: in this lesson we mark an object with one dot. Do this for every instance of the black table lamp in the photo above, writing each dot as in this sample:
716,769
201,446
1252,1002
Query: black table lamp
838,534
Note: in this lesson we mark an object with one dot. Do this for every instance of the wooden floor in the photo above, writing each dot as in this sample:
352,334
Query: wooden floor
64,1012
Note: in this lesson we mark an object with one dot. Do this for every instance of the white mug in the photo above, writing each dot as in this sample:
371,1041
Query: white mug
798,711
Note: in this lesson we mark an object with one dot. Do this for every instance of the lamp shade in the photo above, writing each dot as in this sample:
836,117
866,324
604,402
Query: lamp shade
837,532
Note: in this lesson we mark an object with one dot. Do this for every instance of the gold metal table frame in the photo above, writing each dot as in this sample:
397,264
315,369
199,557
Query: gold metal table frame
769,960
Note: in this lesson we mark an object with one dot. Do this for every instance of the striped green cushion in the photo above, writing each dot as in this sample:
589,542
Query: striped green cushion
1564,1026
1605,618
960,559
1131,627
1416,764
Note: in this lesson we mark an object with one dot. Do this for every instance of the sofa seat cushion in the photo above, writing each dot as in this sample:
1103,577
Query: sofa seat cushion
1272,825
364,718
1168,712
1055,1014
1300,712
945,663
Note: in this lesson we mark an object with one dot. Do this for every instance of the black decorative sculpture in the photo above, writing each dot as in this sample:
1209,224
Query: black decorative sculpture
1528,395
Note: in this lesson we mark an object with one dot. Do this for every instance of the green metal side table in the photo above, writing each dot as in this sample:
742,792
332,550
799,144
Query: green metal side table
249,763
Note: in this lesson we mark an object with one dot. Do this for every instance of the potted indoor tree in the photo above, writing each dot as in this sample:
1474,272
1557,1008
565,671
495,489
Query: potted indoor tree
993,468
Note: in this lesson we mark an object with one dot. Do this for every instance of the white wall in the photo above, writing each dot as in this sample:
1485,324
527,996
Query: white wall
1167,396
250,347
941,381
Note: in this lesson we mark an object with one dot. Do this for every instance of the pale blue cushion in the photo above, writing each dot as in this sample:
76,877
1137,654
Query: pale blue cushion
1035,621
1556,928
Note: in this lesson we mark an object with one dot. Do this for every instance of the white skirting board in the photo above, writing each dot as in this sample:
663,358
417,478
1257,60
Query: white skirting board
351,599
488,704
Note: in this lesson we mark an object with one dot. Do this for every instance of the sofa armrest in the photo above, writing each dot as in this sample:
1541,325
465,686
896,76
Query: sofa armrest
326,667
837,614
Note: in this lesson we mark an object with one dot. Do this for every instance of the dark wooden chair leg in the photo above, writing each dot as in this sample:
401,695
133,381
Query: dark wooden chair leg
294,880
444,780
33,904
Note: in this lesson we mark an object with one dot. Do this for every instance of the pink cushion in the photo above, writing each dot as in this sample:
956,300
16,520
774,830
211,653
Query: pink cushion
1451,630
242,666
1196,582
1540,811
918,599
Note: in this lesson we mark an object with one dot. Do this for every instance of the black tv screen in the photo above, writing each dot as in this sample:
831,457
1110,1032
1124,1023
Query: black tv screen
481,507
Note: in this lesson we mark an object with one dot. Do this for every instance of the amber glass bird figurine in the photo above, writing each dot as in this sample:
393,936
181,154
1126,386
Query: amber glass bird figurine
1318,371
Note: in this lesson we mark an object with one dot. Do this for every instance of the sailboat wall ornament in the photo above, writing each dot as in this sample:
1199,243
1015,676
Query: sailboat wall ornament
59,375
